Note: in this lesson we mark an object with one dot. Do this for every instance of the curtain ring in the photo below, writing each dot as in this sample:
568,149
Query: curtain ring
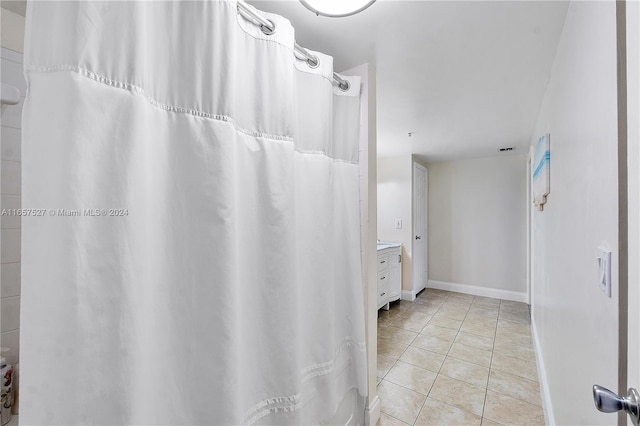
265,28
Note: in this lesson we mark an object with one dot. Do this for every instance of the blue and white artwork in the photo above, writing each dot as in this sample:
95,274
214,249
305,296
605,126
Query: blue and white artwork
541,171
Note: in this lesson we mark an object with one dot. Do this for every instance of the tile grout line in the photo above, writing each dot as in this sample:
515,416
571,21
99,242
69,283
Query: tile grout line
438,373
511,373
441,309
401,421
459,331
397,359
445,357
493,346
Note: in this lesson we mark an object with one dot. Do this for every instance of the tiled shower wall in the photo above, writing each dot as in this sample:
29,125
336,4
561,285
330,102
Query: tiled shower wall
10,192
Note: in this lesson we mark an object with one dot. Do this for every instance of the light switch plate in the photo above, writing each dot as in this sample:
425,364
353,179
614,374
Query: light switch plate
398,223
604,270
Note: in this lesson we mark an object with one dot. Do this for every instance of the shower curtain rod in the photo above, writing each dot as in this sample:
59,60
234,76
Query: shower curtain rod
268,27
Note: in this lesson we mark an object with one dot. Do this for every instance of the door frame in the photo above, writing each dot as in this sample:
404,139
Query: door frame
415,289
628,34
530,242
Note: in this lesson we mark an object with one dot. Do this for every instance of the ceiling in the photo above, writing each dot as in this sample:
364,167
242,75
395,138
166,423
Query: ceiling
464,77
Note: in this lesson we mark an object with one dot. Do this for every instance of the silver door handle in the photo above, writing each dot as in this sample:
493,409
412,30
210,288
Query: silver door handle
610,402
417,237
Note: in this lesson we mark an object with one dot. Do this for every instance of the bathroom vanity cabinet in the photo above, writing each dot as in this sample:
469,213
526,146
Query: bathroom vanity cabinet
389,273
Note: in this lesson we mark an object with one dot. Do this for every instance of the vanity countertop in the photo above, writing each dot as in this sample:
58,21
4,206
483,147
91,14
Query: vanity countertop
387,244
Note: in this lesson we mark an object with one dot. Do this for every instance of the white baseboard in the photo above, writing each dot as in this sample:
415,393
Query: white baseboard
409,295
545,395
372,413
478,291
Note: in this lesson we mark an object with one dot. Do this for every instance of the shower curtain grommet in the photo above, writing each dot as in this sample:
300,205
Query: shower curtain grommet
266,30
313,63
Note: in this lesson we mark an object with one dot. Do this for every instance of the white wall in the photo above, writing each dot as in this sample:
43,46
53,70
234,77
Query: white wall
394,203
10,188
477,226
575,323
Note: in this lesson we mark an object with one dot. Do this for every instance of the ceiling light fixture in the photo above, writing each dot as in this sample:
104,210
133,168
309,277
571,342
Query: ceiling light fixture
336,8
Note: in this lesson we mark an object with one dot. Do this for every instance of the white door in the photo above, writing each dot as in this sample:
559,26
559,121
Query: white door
419,226
610,402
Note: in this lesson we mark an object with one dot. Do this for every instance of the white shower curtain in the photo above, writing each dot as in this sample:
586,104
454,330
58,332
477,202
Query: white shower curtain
196,255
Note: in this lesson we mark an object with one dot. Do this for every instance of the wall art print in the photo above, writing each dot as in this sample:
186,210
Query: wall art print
541,171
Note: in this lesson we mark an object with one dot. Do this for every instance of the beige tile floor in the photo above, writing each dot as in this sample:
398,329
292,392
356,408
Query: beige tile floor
456,359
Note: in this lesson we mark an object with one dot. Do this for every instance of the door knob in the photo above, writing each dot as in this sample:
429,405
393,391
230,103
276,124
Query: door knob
417,237
610,402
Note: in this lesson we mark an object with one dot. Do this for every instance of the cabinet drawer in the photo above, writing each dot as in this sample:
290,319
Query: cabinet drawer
382,299
383,261
383,278
383,287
